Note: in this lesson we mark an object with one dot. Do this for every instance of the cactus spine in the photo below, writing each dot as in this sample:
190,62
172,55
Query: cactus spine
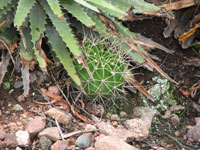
108,70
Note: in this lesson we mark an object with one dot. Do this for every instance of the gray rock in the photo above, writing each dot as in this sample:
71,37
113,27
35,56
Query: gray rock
18,84
121,133
36,125
21,98
59,115
175,119
45,143
59,145
17,107
114,117
85,140
22,138
54,89
176,108
193,134
2,135
145,113
138,127
51,132
89,127
112,143
10,140
7,112
96,109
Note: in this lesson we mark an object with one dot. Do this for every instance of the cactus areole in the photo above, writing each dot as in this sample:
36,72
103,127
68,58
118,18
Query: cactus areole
107,68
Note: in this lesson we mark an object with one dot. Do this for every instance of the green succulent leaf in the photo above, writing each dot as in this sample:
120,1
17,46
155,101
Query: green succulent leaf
7,14
4,3
63,29
37,25
23,52
23,8
78,12
126,33
109,8
5,10
123,5
55,7
139,5
8,35
87,5
58,46
142,6
8,18
100,26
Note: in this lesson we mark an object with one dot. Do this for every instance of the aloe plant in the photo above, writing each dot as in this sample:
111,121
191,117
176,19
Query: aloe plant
35,19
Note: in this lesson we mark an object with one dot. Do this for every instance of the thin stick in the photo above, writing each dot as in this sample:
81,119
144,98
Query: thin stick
78,132
61,134
9,51
180,144
61,90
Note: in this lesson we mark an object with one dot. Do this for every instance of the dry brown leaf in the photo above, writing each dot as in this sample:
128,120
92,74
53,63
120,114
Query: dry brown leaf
83,118
59,100
184,92
192,62
178,5
189,33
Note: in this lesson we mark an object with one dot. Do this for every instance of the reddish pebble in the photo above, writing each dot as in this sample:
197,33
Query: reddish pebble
21,98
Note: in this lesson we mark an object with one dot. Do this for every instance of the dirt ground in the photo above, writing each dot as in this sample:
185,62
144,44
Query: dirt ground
163,132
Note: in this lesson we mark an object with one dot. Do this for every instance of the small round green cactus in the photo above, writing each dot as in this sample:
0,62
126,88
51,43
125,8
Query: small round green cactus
108,70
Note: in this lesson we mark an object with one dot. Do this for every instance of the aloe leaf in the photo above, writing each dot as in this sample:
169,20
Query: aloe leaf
29,45
100,26
87,5
20,16
6,9
58,46
55,7
139,5
4,3
78,12
123,5
37,25
109,8
7,14
63,29
8,35
142,6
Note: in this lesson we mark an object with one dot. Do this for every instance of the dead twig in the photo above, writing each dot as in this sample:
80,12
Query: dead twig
180,144
9,51
78,132
58,126
178,5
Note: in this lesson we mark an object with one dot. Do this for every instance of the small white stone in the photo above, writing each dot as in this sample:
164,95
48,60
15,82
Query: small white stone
17,107
22,138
